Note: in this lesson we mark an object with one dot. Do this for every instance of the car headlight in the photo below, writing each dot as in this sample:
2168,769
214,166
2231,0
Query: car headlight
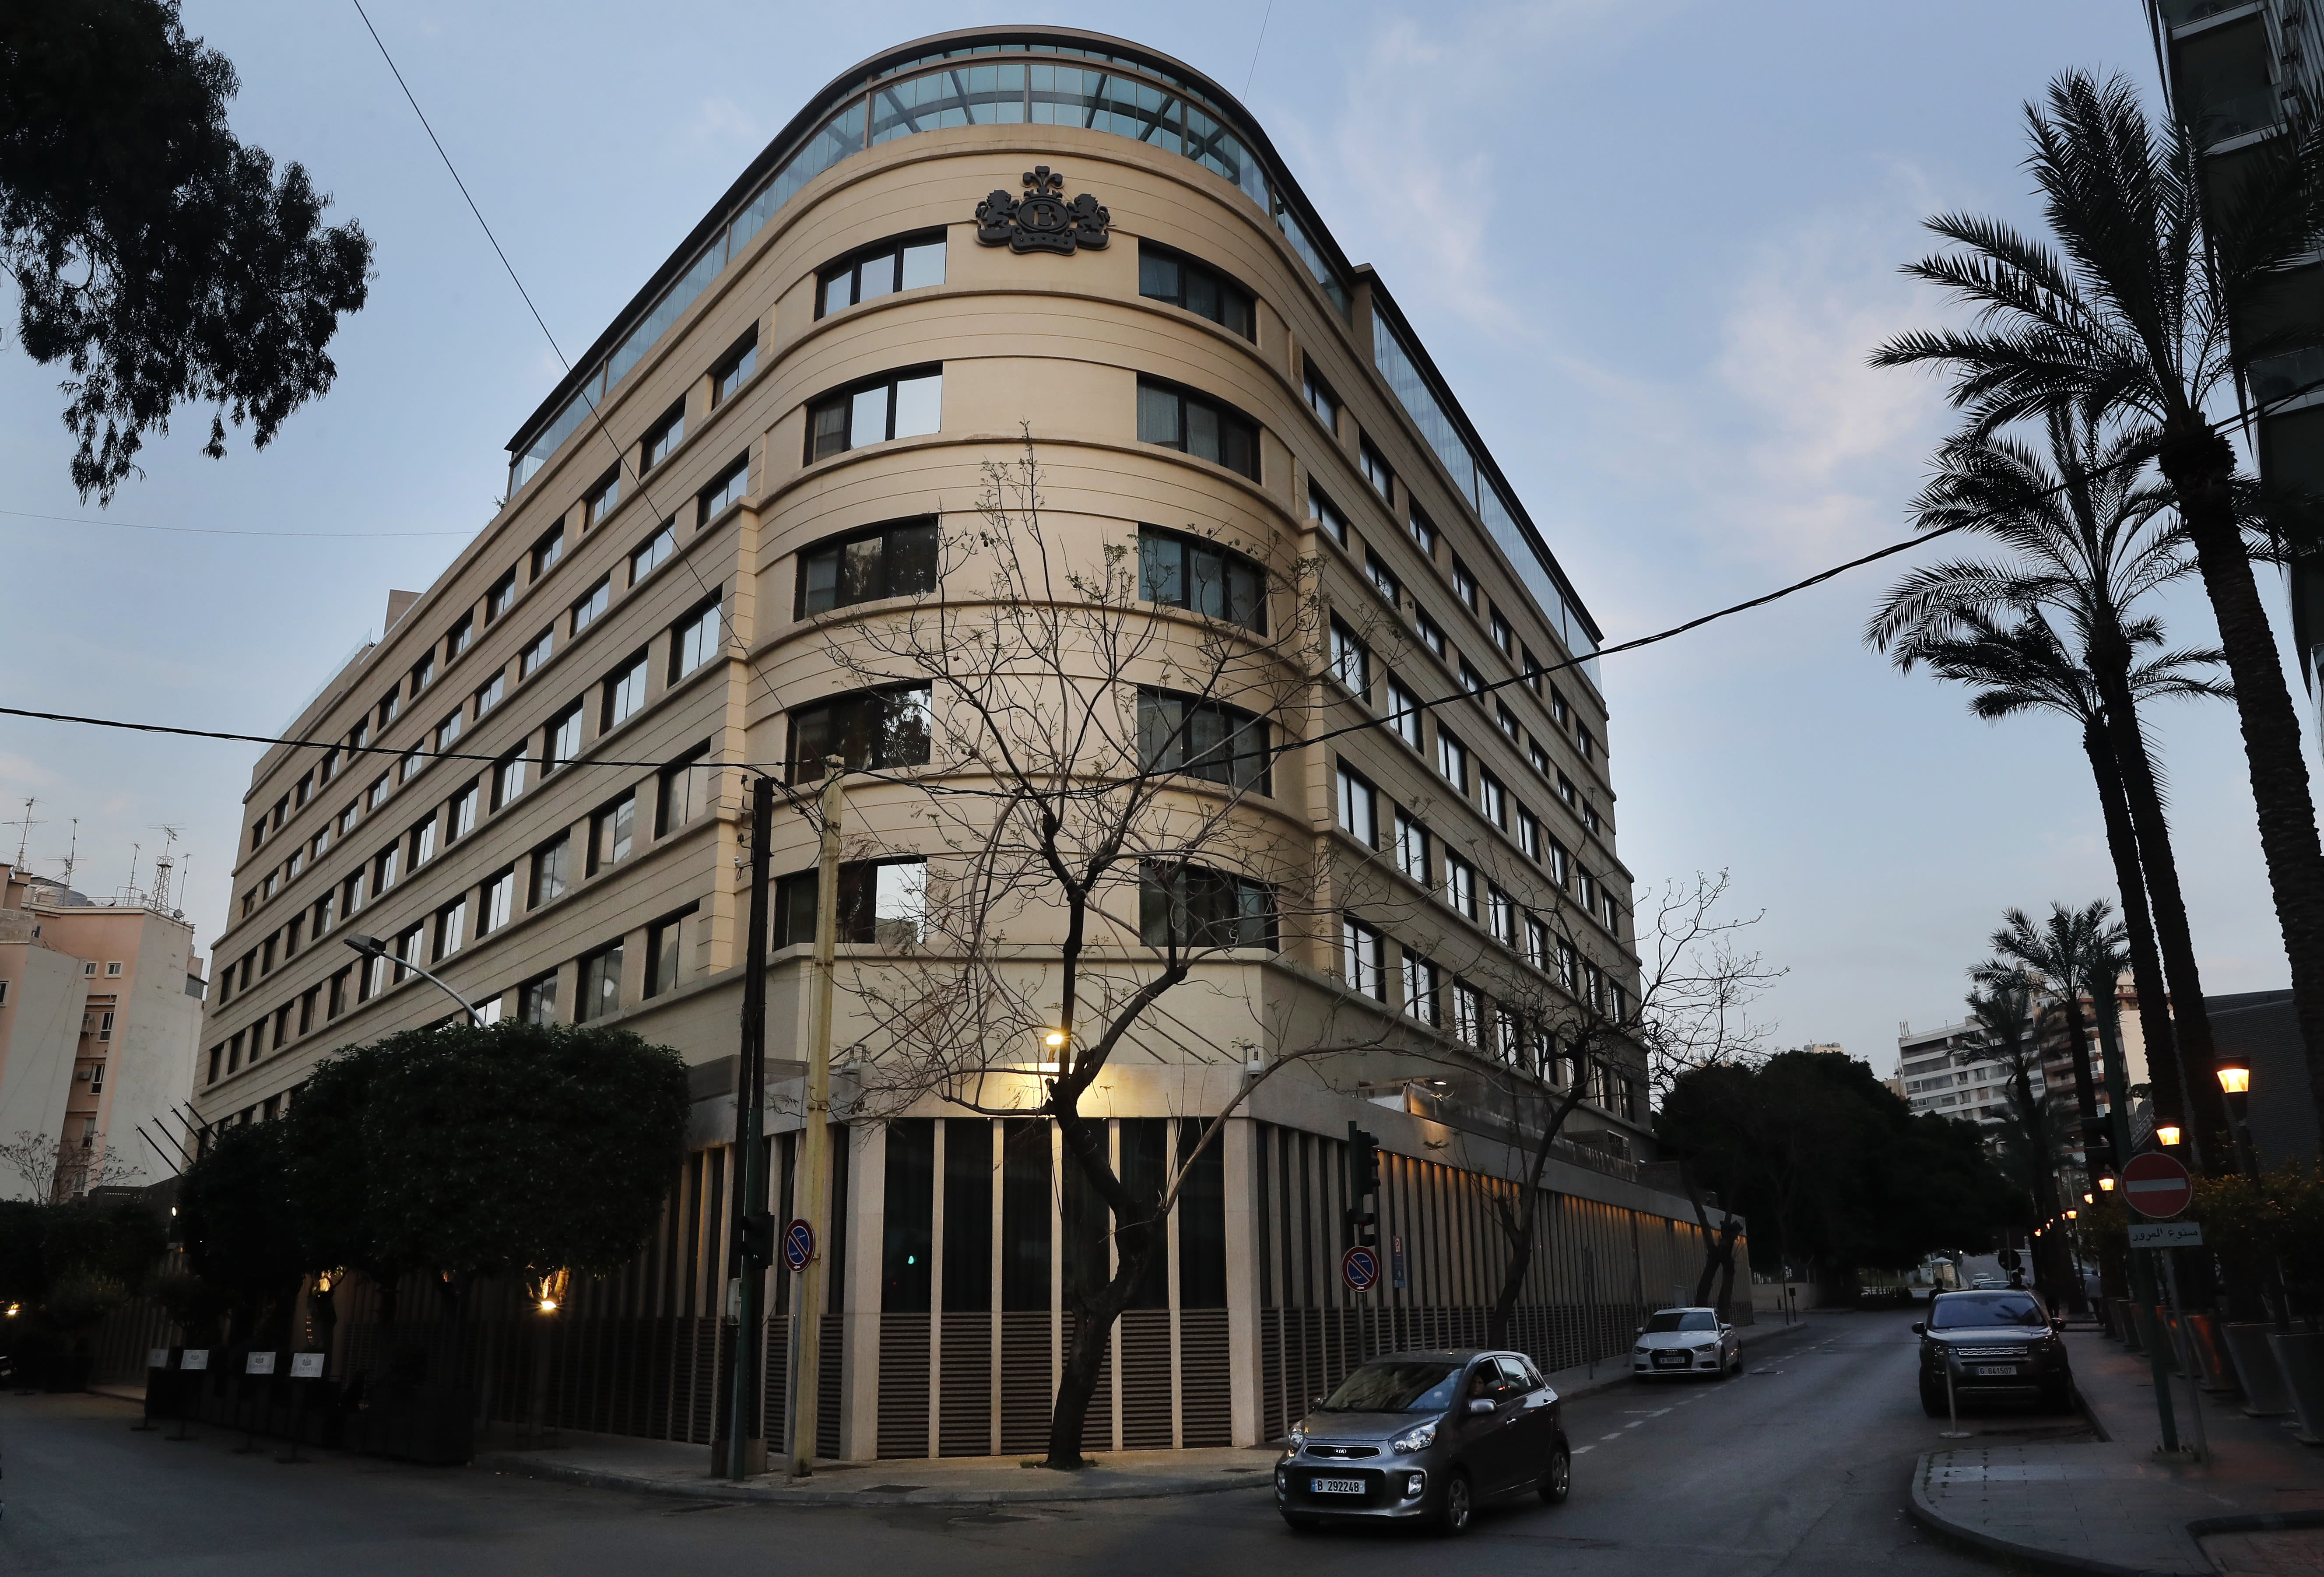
1639,1351
1298,1436
1414,1439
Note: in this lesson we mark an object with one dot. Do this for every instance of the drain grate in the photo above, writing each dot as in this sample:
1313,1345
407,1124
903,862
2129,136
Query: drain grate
889,1489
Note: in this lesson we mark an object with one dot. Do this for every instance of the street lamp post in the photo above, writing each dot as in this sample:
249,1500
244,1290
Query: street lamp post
372,947
2235,1080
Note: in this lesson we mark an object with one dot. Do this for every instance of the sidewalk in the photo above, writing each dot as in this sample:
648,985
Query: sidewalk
2115,1507
659,1467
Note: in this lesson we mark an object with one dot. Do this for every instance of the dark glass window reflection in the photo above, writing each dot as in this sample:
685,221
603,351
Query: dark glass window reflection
1165,276
1201,427
897,560
1187,572
873,730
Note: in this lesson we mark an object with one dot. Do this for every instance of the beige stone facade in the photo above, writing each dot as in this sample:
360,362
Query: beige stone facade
632,621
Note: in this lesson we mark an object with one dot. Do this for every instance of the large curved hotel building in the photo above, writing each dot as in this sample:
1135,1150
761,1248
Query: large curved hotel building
768,465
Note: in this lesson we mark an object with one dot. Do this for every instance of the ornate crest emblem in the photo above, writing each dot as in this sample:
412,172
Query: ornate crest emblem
1042,220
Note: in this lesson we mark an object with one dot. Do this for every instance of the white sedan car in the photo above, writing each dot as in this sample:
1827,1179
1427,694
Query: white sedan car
1683,1342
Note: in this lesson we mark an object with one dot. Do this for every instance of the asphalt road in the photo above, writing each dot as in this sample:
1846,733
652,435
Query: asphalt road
1799,1466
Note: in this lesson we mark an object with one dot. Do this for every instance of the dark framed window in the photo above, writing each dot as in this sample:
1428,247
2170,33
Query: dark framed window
1181,571
654,551
613,831
881,903
896,559
665,956
1027,1231
600,991
548,551
490,693
735,368
1423,532
1197,424
1319,396
905,263
625,693
663,436
1350,660
871,730
1192,906
552,871
1326,514
1383,579
463,632
1363,959
500,597
908,1217
968,1214
602,499
562,740
1164,276
423,674
1375,467
724,494
591,603
1203,739
695,640
898,405
687,786
535,1000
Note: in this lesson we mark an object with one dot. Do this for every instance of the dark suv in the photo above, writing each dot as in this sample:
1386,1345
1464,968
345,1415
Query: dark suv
2000,1345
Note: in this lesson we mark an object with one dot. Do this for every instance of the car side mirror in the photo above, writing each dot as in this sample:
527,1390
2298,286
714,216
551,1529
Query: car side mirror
1920,1327
1724,1328
1642,1330
1479,1408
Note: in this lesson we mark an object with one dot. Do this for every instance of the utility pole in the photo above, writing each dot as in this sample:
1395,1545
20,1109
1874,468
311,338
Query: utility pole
815,1139
754,1229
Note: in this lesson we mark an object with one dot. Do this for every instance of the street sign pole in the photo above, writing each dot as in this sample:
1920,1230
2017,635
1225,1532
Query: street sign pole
2156,1185
2183,1344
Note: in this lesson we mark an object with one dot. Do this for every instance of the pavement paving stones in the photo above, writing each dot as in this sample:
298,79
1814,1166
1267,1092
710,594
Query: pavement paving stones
2117,1505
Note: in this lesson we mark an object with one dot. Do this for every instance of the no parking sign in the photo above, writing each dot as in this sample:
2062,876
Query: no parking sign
1359,1267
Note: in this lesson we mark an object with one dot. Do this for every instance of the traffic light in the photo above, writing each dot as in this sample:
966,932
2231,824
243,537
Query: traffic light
1363,1183
758,1239
2098,1145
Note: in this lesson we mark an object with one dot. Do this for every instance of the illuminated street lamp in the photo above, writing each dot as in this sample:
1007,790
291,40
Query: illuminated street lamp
2235,1080
2167,1134
2106,1184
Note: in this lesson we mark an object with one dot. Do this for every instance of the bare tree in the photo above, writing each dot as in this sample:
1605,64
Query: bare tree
1099,723
57,1169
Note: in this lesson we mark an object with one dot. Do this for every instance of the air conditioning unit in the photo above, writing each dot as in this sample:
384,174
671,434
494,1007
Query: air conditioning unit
105,1035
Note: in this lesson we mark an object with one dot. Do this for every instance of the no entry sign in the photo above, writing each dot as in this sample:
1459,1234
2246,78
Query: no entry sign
2155,1184
1360,1268
798,1244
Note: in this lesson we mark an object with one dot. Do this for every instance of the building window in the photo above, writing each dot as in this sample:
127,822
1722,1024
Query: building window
508,778
423,674
1537,943
389,707
1363,959
552,869
625,693
413,763
1352,661
1560,713
724,494
1432,633
383,869
602,499
1567,791
1187,907
1404,713
1471,681
903,264
464,814
1326,514
1452,760
1359,808
502,597
1585,744
1169,276
735,369
1495,798
451,927
322,914
1412,847
1196,425
562,740
1468,1014
1539,757
693,641
686,792
379,790
1319,397
447,733
592,604
601,985
1375,469
894,560
489,696
1501,916
1423,531
1180,571
1461,884
352,895
1503,636
536,655
1530,834
654,552
348,819
535,1000
499,902
881,903
1464,585
336,1001
900,405
1419,982
871,730
663,436
664,952
1384,580
547,552
611,831
1203,739
423,842
1505,720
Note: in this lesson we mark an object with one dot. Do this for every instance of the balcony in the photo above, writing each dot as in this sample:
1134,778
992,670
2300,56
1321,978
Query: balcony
2179,13
2280,378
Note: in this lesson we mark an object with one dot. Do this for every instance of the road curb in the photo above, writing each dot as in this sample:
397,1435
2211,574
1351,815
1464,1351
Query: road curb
521,1466
1926,1514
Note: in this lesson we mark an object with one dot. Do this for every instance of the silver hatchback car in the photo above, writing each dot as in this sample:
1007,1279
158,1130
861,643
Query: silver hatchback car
1686,1342
1426,1437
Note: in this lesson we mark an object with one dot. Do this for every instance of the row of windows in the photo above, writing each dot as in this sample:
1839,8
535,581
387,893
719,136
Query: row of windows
693,641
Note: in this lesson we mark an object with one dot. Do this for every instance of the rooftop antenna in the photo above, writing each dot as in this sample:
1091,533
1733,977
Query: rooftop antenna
72,853
135,848
24,825
158,899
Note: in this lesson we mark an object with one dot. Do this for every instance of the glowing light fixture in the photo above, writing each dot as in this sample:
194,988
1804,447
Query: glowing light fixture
2089,1199
1054,1039
2106,1185
2167,1134
2073,1215
2235,1080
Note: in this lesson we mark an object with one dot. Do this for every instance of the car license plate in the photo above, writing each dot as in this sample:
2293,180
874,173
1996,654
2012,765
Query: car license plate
1335,1485
1997,1369
1669,1361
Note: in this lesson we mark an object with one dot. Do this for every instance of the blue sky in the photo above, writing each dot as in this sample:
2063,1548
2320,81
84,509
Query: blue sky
1650,242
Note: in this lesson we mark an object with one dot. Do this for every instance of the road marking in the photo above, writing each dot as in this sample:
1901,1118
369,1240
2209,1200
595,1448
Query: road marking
1633,1425
1616,1435
1583,1449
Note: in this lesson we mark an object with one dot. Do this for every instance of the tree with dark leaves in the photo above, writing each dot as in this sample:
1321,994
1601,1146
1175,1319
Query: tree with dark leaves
160,259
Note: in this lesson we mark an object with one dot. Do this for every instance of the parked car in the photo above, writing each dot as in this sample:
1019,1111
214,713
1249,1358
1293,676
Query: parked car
1677,1342
1426,1437
1996,1344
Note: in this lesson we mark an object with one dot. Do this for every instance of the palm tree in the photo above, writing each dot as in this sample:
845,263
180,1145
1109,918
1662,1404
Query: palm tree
2058,953
2022,666
2088,539
2129,320
2004,1011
